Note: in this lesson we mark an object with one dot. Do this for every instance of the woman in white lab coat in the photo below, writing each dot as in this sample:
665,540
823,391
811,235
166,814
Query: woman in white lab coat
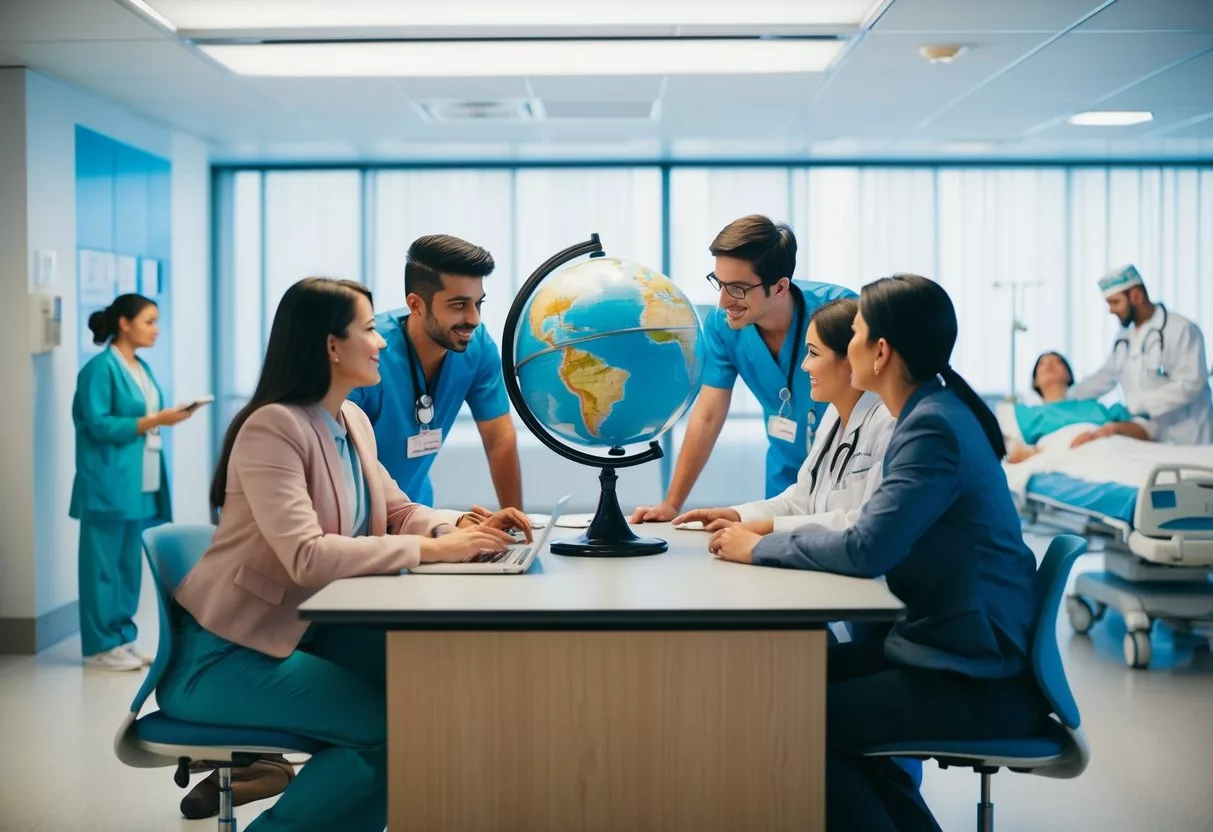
844,464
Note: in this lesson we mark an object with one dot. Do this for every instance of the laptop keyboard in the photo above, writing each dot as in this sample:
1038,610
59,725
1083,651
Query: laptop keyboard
513,554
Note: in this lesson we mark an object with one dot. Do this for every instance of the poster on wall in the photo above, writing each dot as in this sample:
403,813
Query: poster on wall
97,276
128,274
149,277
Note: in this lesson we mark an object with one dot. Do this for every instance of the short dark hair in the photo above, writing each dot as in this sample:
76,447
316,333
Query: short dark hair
1060,358
769,248
432,256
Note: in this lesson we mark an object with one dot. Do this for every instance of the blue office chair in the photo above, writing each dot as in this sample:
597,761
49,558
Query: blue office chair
158,741
1061,750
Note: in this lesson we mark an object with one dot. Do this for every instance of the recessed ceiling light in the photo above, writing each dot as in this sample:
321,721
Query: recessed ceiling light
516,58
198,15
1111,118
943,53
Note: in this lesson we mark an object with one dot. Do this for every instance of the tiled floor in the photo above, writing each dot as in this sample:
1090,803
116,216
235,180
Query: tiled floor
1151,734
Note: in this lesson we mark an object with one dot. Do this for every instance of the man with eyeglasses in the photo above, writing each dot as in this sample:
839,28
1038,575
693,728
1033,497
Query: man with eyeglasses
757,332
437,357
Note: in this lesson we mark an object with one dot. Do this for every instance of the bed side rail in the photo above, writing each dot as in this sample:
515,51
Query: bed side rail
1176,501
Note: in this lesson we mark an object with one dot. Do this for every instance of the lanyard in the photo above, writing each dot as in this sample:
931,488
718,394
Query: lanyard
785,395
424,405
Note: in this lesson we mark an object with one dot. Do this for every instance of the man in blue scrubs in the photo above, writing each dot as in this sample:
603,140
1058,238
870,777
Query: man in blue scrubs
437,357
757,332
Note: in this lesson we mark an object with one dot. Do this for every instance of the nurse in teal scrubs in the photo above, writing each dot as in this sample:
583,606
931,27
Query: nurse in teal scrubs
756,332
121,483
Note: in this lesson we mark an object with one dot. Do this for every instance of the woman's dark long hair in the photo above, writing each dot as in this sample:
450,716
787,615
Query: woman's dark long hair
834,321
916,317
104,323
296,368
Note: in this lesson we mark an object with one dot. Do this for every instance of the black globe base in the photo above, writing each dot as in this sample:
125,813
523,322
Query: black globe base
609,535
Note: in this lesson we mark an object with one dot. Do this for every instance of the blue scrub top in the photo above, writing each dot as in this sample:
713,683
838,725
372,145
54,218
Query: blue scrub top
473,375
731,352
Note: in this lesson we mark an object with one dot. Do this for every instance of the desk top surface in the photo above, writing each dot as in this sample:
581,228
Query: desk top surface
682,588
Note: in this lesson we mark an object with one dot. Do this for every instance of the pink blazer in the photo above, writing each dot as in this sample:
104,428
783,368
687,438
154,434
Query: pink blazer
279,539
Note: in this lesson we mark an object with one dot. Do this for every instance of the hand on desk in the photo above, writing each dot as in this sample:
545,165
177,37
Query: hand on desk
735,543
464,544
711,518
661,513
506,520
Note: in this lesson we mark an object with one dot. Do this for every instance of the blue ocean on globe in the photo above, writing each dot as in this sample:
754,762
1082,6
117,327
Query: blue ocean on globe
608,353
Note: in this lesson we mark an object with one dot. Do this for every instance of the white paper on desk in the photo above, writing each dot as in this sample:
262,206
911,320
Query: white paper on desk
96,278
128,274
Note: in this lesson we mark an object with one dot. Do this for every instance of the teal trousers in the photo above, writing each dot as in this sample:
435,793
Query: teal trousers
331,688
110,571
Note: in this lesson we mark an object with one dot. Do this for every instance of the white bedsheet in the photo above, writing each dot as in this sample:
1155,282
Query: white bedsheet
1115,459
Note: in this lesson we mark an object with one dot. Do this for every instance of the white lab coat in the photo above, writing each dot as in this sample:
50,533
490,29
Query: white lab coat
1178,404
836,501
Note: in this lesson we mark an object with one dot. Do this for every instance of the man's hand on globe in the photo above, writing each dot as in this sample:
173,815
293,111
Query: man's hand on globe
663,512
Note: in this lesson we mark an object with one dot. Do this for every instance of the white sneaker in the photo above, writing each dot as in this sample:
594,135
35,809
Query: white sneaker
133,649
114,660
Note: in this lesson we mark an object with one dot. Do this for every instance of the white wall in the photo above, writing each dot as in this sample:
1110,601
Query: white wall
16,452
52,112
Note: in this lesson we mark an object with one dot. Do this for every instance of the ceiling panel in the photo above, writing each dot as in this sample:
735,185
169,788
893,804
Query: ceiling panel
1153,15
82,20
1065,77
1190,83
983,15
419,89
597,88
1202,129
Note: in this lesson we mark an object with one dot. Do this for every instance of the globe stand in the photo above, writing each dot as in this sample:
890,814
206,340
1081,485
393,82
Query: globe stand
609,534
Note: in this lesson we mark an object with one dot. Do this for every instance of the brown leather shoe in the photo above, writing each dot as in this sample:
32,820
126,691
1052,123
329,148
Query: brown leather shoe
265,778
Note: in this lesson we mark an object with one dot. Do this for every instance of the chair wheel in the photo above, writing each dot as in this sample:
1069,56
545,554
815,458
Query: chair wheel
1137,648
1082,614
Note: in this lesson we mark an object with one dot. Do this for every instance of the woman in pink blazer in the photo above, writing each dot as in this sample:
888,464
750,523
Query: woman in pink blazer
305,502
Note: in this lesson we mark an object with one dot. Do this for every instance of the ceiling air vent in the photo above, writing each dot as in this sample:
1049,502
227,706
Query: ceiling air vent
486,110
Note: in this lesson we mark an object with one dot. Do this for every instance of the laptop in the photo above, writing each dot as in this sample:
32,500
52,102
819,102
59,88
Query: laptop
516,558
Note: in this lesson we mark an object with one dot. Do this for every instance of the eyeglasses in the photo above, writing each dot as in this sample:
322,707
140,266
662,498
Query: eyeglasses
735,290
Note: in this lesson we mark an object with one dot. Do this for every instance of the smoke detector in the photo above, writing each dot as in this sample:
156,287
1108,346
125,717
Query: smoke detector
942,53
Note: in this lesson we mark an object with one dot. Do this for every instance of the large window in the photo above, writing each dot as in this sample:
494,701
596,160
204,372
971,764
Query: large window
1040,237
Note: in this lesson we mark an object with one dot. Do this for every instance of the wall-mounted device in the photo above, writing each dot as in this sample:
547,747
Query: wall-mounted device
46,322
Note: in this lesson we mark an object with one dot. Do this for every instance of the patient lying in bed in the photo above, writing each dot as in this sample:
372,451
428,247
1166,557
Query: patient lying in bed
1024,426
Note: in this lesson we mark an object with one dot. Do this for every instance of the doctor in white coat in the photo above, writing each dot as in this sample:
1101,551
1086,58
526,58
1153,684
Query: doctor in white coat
844,464
1158,360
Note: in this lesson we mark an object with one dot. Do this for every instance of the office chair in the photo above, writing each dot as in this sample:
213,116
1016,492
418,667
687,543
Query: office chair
1059,751
156,740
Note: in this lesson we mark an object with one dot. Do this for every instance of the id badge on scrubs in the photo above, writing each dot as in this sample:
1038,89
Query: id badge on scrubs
425,443
780,427
151,461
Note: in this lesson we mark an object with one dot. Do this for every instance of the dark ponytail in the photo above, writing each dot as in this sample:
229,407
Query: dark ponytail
916,317
104,323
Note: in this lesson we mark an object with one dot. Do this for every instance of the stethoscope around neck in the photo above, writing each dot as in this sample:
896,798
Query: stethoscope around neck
1157,332
848,448
423,405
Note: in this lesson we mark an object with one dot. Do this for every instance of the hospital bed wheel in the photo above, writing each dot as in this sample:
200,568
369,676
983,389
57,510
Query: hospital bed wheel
1081,614
1137,648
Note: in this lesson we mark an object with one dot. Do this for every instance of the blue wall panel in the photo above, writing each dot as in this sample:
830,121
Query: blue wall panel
123,206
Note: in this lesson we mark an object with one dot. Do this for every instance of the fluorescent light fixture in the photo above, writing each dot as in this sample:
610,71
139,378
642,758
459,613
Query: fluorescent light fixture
1111,118
200,15
147,10
467,59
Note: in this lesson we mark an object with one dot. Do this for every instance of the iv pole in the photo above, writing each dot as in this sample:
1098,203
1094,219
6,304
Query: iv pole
1017,326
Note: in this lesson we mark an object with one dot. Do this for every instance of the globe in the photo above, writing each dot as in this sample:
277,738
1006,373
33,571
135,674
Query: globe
608,353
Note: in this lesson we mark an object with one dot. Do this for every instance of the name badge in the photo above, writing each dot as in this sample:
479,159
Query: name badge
781,428
425,443
152,441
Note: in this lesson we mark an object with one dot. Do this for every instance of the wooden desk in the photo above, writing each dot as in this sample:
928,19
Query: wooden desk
671,692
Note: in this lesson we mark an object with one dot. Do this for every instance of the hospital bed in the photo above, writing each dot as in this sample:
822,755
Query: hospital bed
1151,505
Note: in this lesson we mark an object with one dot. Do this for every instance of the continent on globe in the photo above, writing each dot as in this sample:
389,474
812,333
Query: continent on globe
598,386
666,306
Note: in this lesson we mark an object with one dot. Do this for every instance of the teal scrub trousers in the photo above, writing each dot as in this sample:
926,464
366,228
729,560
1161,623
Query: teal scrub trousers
109,574
332,688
